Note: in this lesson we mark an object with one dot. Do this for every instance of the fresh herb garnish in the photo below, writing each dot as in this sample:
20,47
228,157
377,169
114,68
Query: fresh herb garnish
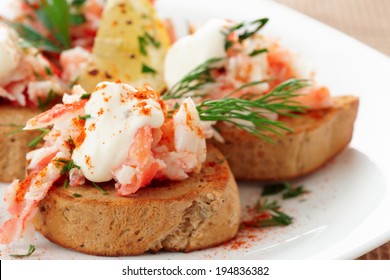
66,184
293,192
78,3
71,143
288,190
48,71
42,104
144,41
152,40
142,45
69,165
249,114
33,39
271,189
244,30
256,52
87,116
57,16
148,69
77,195
268,214
31,250
19,128
195,80
277,219
38,139
85,96
77,19
99,188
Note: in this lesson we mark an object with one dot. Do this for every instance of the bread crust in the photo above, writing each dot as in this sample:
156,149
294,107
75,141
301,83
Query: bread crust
13,147
193,214
317,137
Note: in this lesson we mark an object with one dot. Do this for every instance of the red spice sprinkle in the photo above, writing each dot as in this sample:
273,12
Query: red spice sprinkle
88,161
92,127
93,72
101,111
108,76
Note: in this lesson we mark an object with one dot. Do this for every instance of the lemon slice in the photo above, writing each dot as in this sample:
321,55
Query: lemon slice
130,46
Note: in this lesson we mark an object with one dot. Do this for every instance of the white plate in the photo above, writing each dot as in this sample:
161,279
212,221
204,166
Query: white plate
346,213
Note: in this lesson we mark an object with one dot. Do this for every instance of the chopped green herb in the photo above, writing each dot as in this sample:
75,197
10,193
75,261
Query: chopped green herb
269,215
20,129
48,71
263,205
42,104
74,82
71,143
152,40
293,192
77,19
78,3
85,96
147,69
85,117
36,141
66,184
77,195
69,165
142,43
277,219
38,76
256,52
244,30
99,188
31,250
271,189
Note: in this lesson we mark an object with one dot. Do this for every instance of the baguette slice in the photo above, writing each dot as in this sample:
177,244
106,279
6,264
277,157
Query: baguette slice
193,214
318,136
14,146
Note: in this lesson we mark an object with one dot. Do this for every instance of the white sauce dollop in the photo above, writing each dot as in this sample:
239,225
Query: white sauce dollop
10,52
193,50
116,115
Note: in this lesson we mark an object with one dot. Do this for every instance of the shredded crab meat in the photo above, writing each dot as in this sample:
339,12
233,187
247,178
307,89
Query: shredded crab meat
171,150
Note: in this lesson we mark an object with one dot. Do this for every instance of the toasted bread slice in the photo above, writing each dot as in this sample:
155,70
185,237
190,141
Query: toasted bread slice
196,213
14,146
318,136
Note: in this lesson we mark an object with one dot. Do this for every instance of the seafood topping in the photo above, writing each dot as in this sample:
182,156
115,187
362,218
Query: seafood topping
117,132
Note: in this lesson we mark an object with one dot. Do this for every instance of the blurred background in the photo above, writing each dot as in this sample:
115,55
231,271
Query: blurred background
366,20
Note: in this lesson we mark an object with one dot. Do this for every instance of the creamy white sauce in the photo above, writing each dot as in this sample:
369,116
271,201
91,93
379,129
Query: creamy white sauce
10,52
193,50
116,116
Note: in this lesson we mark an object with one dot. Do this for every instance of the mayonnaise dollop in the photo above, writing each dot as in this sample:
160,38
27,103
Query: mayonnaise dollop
10,52
193,50
116,113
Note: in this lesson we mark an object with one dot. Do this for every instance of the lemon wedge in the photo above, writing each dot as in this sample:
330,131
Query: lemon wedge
130,46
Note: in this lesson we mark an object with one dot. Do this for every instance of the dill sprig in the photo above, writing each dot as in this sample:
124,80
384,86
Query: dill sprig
195,80
57,16
244,30
269,214
31,250
38,139
249,115
104,192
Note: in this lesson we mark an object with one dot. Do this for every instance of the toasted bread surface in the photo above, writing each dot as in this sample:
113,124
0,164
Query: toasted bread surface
199,212
317,136
14,146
